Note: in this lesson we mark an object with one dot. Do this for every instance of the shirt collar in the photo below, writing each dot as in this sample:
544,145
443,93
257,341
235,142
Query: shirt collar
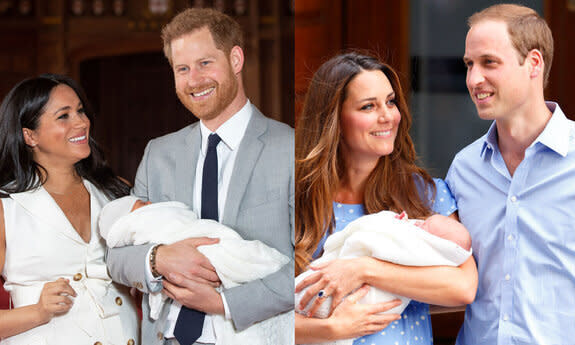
555,135
232,131
490,139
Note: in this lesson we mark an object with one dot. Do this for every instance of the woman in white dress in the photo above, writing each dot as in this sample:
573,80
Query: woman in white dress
53,183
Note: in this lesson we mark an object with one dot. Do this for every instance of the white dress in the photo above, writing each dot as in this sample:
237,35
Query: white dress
42,246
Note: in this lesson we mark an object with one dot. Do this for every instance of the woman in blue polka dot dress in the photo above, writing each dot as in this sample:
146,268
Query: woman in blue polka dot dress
354,156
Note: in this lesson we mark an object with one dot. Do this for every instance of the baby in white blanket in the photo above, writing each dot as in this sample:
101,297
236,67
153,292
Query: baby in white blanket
125,221
392,237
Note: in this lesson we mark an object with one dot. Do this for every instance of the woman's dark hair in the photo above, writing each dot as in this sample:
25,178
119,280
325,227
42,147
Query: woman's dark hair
22,108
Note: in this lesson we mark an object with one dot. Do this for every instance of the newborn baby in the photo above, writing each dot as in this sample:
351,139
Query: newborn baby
438,240
130,221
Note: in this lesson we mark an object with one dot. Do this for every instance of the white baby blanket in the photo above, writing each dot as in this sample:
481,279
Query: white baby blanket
386,237
236,260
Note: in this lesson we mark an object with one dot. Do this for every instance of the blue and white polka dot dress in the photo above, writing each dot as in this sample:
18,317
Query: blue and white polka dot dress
414,327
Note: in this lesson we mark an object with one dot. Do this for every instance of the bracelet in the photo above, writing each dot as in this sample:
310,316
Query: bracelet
153,253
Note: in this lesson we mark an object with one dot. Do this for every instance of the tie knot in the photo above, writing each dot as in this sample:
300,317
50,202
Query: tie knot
213,140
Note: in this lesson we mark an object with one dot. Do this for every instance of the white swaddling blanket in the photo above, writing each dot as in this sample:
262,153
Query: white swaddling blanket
383,236
236,260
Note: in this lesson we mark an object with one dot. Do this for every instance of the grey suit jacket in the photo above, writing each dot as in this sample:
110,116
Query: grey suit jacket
259,206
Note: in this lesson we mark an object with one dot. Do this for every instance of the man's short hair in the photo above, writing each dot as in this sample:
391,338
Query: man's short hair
527,30
226,32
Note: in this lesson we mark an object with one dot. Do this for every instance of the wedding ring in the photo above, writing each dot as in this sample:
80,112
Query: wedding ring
321,294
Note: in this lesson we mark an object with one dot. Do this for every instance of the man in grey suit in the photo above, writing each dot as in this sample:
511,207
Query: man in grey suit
254,174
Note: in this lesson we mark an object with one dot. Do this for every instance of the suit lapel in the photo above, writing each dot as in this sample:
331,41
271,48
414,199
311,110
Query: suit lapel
248,153
186,157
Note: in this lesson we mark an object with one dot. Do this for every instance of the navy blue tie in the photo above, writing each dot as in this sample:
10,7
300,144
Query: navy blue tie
190,322
210,180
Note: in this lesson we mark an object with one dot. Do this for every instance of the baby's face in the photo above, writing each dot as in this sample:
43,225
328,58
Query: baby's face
139,203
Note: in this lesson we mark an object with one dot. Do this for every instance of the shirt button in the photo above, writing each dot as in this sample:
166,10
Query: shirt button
118,301
97,343
513,198
510,237
505,317
131,342
160,335
77,276
507,277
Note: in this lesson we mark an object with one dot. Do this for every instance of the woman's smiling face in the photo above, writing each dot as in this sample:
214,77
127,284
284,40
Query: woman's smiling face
63,131
369,117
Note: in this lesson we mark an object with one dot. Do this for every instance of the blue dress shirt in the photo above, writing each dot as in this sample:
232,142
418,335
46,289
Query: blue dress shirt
523,233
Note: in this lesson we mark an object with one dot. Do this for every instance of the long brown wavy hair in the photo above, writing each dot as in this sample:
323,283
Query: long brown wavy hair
319,165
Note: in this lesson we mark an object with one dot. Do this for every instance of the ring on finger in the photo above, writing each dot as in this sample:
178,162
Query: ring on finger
322,294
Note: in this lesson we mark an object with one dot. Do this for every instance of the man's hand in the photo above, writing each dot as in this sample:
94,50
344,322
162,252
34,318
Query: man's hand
183,258
194,295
